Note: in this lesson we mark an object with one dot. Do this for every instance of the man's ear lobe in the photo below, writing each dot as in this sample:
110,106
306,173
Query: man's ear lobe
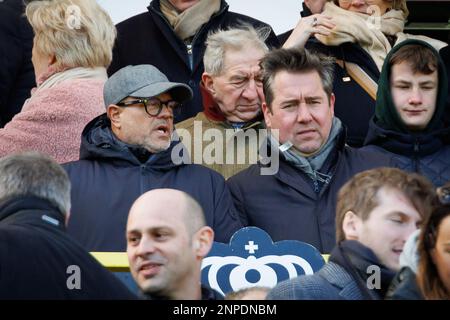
351,225
113,112
267,114
203,241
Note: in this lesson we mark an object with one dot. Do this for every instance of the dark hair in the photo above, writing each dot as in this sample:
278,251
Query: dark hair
421,58
295,61
428,278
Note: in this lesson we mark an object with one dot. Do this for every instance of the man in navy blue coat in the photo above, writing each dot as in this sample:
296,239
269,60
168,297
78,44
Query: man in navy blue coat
130,150
377,211
298,200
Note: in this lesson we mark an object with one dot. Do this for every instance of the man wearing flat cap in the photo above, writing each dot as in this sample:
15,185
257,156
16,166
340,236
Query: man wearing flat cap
128,151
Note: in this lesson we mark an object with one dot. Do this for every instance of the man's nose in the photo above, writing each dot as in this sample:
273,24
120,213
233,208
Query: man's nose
166,112
416,97
146,246
250,91
303,114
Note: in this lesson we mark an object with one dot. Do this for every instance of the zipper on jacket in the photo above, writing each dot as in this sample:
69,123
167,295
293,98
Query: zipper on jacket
189,47
316,186
190,56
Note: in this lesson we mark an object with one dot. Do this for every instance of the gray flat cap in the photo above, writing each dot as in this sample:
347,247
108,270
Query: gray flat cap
142,81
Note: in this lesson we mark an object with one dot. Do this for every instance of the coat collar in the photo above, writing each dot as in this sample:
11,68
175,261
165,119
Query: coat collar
31,209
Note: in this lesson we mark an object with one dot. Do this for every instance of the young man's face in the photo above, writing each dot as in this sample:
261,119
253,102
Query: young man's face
414,95
300,110
388,227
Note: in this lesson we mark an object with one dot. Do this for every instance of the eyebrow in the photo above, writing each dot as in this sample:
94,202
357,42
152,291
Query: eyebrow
402,81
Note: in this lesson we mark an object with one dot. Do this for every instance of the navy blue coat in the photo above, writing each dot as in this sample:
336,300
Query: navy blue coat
426,154
36,252
148,38
109,178
331,282
16,69
286,206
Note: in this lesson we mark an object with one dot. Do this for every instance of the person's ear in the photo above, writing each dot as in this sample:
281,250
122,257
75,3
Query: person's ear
351,225
66,218
202,241
332,100
267,114
51,60
208,82
114,113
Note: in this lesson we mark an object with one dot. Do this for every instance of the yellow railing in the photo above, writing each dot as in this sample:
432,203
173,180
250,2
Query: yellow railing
118,261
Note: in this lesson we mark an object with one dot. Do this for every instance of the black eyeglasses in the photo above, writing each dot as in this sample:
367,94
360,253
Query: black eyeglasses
153,106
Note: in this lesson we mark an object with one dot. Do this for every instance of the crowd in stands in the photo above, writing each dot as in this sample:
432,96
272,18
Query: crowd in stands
183,124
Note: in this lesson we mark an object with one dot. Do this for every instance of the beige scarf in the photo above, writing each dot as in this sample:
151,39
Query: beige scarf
369,31
187,23
55,76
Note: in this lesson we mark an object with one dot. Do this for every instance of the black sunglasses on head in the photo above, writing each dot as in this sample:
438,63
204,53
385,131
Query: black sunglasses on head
153,106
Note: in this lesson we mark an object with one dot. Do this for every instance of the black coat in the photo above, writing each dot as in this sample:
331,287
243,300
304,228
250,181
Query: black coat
286,206
404,286
109,178
149,39
426,154
36,252
16,69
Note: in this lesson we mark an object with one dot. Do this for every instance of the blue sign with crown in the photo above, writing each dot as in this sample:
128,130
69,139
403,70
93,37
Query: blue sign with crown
253,259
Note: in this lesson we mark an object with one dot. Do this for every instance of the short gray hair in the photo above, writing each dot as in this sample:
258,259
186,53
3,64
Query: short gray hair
218,42
78,32
34,174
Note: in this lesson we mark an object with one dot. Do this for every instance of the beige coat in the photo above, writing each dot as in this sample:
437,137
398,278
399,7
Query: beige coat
217,145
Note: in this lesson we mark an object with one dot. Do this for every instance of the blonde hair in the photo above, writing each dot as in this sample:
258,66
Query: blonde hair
78,32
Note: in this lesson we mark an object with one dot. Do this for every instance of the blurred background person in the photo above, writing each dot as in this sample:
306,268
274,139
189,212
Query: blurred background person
72,48
16,69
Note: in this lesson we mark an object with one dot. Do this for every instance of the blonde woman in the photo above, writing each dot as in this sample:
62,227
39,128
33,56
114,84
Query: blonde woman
71,50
